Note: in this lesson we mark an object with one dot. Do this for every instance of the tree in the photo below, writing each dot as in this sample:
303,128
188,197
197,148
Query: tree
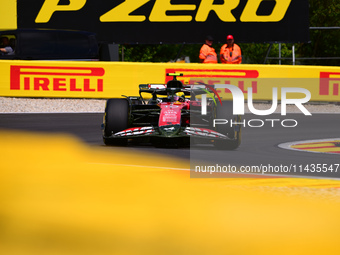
324,43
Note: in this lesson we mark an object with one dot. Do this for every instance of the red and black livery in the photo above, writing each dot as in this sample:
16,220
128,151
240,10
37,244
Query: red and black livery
172,115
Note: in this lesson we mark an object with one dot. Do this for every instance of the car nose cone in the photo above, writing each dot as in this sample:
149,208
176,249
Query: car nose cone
169,130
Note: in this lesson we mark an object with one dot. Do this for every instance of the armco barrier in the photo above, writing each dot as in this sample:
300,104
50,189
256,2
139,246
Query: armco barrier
65,79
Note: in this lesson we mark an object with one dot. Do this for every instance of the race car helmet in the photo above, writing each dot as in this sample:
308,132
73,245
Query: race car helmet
179,96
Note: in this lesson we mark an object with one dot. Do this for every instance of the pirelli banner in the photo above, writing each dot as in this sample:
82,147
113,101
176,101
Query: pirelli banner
171,21
57,79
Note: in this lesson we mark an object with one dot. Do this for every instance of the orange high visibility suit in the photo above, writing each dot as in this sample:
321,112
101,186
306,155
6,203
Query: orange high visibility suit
208,54
231,54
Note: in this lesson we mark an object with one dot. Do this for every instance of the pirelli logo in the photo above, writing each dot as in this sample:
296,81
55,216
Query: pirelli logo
329,83
243,78
48,78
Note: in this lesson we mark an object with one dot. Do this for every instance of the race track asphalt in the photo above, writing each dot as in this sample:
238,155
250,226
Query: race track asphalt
259,145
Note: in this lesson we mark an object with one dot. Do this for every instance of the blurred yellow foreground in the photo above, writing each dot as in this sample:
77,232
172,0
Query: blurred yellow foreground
58,196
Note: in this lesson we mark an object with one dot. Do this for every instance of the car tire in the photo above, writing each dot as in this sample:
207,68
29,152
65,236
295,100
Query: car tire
225,111
116,119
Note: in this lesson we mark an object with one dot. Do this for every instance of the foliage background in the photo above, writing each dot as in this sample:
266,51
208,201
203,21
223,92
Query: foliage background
324,43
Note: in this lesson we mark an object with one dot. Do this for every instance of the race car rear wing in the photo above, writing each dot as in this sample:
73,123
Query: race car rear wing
152,86
173,86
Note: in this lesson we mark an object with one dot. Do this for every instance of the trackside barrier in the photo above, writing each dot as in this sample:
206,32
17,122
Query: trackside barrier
62,79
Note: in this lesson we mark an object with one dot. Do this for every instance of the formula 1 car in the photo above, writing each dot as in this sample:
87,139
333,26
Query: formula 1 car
171,115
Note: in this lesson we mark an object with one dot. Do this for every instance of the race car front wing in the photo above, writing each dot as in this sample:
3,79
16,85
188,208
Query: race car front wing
186,131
